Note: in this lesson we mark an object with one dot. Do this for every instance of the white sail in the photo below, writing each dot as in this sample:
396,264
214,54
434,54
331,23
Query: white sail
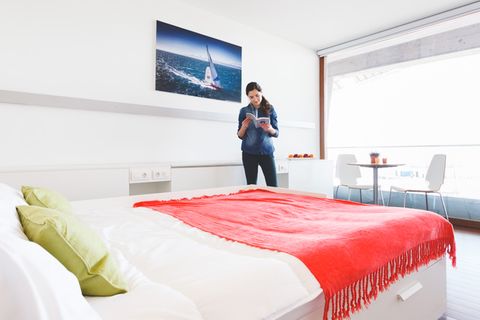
214,79
208,76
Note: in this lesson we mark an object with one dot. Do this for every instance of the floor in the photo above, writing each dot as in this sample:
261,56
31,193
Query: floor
463,282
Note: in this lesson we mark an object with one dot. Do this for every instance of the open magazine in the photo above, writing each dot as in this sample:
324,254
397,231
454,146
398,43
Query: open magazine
258,121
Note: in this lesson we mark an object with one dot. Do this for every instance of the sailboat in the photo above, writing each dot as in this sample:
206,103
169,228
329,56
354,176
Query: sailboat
211,76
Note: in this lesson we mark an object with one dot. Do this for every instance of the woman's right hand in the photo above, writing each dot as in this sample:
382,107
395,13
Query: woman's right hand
246,122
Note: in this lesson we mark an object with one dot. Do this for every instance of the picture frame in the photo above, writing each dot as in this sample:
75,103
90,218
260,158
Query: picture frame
194,64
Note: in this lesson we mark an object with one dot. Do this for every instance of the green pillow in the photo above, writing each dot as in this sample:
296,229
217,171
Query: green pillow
46,198
76,246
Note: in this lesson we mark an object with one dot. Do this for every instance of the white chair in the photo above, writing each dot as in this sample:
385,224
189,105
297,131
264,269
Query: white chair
432,184
348,176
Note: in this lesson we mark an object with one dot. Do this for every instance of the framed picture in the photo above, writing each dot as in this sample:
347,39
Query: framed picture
197,65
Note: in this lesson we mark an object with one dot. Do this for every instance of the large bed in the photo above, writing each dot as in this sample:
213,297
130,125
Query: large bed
176,271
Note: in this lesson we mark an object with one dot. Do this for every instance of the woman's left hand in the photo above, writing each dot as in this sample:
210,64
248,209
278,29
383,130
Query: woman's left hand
267,127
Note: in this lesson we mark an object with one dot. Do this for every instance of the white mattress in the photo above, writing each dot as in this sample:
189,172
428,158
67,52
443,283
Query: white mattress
188,273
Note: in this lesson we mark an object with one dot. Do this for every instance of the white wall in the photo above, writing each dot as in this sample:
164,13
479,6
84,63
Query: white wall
105,50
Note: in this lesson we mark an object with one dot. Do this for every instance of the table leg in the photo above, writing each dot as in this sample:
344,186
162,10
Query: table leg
375,185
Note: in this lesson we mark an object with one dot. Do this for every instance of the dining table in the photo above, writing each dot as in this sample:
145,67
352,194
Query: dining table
375,167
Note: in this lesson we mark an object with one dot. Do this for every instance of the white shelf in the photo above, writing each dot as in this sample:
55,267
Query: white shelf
54,101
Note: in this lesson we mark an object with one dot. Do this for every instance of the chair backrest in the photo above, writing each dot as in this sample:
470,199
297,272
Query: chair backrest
436,172
346,174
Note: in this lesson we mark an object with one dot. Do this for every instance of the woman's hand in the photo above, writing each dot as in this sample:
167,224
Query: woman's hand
243,128
246,123
267,127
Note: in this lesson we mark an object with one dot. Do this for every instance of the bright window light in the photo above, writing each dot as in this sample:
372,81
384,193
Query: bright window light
408,112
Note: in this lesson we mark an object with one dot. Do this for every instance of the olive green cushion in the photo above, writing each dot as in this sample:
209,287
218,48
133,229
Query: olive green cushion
76,246
43,197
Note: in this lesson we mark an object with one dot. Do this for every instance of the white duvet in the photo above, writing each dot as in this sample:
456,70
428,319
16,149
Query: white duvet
178,272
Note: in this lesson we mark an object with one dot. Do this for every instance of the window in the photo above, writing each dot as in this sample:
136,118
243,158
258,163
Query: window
408,112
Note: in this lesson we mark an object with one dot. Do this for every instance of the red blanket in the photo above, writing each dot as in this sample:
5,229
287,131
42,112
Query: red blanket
353,250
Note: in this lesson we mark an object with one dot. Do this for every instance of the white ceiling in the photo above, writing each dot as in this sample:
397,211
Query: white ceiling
317,24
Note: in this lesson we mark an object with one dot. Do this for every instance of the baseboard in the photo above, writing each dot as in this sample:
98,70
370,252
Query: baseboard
474,224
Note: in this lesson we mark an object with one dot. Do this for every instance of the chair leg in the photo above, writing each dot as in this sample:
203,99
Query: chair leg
381,195
389,196
404,199
426,201
335,194
361,201
444,206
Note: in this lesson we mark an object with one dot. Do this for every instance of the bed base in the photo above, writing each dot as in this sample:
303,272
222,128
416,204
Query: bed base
419,296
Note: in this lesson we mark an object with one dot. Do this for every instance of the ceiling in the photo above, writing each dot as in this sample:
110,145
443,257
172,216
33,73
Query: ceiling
317,24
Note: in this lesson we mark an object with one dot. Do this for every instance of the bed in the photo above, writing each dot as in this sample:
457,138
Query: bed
176,271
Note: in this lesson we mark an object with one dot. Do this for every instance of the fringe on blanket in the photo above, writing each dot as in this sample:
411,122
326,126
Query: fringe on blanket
360,293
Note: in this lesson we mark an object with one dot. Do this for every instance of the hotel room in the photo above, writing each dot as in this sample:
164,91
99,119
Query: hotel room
123,192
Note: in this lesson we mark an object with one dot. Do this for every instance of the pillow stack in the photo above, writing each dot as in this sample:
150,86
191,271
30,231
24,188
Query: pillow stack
49,221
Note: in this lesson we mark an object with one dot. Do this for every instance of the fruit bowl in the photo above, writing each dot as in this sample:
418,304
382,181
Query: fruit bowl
301,156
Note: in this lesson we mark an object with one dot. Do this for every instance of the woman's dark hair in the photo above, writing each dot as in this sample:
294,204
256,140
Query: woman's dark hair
265,106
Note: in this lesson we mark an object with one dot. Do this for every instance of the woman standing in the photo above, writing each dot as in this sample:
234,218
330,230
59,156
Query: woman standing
257,144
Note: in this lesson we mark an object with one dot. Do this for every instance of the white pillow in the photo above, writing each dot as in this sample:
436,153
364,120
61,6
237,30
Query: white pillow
34,285
9,200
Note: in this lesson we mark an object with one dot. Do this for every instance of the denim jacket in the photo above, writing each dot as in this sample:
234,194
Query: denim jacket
256,141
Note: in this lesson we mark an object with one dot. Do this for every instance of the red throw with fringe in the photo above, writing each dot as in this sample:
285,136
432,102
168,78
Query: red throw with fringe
353,250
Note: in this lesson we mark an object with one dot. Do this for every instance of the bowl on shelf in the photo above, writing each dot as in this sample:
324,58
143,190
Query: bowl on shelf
301,156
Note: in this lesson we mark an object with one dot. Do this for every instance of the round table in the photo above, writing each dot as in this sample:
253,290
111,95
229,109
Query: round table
375,167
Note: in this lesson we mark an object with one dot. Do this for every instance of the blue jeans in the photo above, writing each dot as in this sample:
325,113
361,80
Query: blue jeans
266,162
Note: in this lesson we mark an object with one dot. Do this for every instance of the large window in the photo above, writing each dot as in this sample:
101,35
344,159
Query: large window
408,112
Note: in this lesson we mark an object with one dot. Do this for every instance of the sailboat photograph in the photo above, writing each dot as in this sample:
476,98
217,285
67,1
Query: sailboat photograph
197,65
211,74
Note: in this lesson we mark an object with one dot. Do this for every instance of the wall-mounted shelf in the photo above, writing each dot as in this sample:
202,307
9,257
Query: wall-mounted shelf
55,101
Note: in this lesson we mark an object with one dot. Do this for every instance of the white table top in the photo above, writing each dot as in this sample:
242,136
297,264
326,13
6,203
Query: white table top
377,165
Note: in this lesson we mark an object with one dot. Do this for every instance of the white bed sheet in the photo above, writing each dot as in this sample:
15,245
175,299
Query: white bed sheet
221,279
145,300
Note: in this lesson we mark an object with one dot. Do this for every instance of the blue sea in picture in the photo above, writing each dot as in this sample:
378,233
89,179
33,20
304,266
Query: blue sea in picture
187,75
